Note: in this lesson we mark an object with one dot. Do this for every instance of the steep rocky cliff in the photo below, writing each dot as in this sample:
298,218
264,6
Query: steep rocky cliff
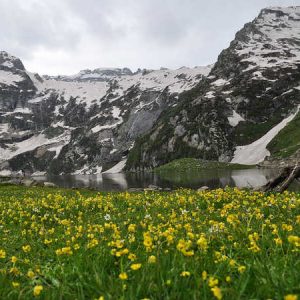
252,88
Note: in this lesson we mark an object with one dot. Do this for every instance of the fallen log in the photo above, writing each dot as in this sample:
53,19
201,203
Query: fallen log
283,180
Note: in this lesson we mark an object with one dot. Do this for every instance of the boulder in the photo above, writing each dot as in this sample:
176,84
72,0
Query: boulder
28,182
203,188
49,184
152,187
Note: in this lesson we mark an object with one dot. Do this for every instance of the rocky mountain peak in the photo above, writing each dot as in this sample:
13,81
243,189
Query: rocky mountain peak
102,73
15,84
270,40
8,61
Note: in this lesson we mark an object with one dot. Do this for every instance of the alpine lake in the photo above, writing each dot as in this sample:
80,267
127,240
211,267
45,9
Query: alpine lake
168,180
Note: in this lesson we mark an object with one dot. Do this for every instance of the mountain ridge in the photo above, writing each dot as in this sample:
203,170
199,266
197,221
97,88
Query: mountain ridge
76,124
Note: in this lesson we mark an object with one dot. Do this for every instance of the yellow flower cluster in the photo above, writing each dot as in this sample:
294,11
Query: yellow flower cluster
253,238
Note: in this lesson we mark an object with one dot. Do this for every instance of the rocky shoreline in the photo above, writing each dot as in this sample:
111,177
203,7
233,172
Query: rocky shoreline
28,182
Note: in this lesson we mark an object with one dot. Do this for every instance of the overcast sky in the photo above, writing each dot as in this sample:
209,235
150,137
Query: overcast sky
65,36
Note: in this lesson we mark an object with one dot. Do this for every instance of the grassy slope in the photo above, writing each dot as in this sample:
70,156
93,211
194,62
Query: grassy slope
193,164
287,142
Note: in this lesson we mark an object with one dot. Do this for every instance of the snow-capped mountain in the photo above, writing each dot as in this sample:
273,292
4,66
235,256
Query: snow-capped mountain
83,123
252,92
91,121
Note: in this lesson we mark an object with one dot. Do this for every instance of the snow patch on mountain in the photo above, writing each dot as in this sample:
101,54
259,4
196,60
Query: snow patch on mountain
57,149
235,119
118,168
9,78
21,147
55,144
84,92
220,82
257,151
8,64
98,128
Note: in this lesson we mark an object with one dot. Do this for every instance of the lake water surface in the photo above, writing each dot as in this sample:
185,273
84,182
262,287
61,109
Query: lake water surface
123,181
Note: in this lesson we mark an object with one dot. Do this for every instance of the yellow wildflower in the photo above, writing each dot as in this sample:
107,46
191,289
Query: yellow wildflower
123,276
184,246
287,227
278,241
185,274
295,240
232,262
202,243
131,228
37,290
241,269
135,267
30,274
131,256
92,243
152,259
147,241
2,253
15,284
291,297
212,281
64,250
26,248
217,292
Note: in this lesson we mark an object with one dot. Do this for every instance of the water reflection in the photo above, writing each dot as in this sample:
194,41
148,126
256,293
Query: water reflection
252,178
220,178
211,178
